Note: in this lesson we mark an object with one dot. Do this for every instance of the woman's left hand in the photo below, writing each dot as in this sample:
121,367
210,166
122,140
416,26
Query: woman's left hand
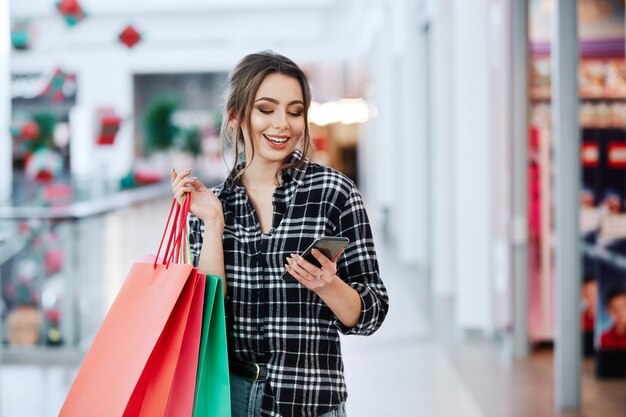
313,277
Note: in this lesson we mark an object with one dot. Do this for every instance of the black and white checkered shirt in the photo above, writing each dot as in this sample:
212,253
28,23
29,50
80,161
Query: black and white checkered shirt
283,324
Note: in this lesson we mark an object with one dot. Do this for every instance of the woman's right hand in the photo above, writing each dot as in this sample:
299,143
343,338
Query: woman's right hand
204,204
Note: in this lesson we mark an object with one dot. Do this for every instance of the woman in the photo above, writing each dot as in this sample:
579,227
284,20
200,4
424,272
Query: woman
285,356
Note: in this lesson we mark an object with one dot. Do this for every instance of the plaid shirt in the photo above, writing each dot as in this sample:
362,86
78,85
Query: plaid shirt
283,324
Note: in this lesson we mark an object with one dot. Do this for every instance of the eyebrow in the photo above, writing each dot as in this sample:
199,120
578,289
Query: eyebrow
273,100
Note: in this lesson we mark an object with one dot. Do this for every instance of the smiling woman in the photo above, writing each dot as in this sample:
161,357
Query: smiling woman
277,118
284,347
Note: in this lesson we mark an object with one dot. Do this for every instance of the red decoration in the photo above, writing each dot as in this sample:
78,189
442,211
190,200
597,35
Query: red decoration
69,7
29,131
129,36
53,260
55,88
617,155
71,11
53,315
590,154
44,176
109,126
57,194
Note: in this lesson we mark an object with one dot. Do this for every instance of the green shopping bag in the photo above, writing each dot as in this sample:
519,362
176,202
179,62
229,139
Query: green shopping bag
212,398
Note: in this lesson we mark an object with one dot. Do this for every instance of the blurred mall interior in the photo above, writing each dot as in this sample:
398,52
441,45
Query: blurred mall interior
487,137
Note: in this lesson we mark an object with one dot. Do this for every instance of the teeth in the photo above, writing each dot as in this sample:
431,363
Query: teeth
276,140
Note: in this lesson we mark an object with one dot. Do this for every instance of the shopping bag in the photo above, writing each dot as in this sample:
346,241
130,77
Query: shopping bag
168,382
131,367
151,394
213,383
181,396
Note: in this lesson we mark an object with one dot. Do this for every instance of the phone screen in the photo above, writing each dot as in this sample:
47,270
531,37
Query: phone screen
330,246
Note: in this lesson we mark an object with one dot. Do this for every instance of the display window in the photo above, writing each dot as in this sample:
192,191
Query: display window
602,117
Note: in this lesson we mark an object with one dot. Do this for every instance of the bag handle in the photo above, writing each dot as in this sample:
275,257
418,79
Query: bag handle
176,231
169,217
172,235
182,232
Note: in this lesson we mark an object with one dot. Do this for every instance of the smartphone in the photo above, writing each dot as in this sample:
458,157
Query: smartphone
330,246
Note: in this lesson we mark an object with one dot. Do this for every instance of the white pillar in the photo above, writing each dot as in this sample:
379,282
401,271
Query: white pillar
6,149
519,22
471,157
500,145
384,142
566,135
102,85
412,168
441,175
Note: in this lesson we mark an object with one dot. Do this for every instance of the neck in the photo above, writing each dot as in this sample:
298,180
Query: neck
260,175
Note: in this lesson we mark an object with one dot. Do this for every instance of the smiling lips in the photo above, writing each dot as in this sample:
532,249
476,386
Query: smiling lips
277,142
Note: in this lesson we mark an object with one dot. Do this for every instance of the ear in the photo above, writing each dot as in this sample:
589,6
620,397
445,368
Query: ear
232,120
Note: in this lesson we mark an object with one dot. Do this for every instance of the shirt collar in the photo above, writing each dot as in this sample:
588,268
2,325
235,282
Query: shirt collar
295,173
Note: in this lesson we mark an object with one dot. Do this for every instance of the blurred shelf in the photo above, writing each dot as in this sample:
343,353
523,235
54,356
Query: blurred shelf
40,355
81,209
547,98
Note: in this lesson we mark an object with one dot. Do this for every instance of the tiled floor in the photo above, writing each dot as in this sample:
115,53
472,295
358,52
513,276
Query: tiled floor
402,370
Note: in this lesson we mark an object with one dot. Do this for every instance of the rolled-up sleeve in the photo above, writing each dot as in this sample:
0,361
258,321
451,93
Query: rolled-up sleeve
358,267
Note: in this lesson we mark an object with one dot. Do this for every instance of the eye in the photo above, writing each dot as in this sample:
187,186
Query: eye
266,111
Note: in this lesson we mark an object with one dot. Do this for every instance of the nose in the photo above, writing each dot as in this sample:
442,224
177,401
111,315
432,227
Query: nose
280,121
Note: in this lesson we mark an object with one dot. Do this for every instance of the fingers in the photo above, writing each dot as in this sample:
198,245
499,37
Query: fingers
196,184
322,259
188,183
303,267
297,265
298,273
182,183
176,179
180,193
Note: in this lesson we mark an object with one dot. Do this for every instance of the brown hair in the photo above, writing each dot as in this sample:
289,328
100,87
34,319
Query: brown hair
244,82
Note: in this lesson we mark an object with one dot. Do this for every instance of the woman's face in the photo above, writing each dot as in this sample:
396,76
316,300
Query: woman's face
276,120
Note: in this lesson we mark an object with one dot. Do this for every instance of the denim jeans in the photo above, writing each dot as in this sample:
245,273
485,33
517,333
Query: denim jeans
246,396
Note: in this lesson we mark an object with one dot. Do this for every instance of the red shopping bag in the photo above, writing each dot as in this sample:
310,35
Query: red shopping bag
181,395
139,358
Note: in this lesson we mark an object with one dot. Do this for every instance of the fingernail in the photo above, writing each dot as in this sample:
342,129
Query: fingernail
193,178
173,170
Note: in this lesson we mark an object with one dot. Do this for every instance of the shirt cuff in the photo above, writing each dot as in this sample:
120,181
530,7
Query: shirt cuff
368,317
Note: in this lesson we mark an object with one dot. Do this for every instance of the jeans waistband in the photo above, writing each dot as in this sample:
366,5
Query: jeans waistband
251,371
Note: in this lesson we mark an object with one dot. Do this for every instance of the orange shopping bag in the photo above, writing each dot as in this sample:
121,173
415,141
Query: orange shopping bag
140,356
